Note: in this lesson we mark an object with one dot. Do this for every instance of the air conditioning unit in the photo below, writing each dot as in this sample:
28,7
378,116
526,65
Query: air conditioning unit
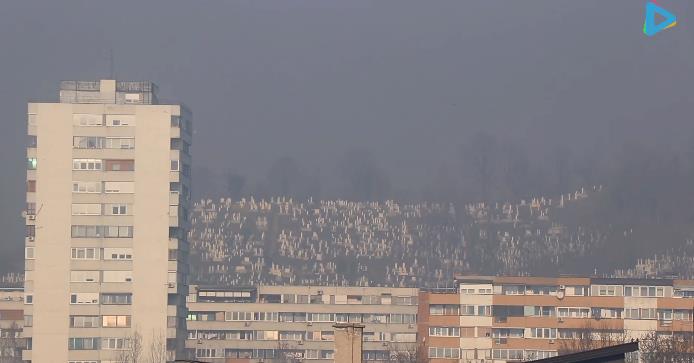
32,217
310,323
31,238
385,344
248,323
171,285
560,319
301,342
320,292
562,287
551,341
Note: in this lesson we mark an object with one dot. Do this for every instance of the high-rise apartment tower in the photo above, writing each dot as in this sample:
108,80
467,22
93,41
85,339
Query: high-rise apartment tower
108,181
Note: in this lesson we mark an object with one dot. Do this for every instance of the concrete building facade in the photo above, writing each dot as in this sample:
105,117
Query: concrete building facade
292,323
507,319
349,342
108,180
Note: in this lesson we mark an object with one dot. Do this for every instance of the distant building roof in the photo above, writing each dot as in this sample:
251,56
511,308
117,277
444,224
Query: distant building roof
608,354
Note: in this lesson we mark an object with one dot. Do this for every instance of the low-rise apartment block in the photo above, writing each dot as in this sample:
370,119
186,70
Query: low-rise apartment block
296,322
524,318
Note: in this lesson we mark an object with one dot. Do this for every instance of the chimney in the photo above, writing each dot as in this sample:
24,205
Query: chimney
348,342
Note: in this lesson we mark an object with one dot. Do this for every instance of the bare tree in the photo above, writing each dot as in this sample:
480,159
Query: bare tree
657,348
590,337
284,355
11,345
407,353
133,350
157,348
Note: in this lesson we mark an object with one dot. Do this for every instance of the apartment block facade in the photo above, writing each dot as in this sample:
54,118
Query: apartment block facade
295,323
507,319
108,180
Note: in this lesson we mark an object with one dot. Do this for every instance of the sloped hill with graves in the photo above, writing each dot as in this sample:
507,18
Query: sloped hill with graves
338,242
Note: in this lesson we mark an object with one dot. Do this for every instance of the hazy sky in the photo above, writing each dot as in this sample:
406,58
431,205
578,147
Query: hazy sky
406,80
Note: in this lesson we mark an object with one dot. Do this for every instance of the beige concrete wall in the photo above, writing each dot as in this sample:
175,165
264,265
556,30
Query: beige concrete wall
51,286
151,220
480,341
348,344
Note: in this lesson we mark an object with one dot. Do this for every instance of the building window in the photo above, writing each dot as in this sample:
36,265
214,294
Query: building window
543,333
115,343
83,344
403,300
115,321
238,316
649,313
119,187
120,165
86,209
122,254
31,141
644,291
442,331
87,142
508,354
174,165
120,120
484,310
85,231
31,163
291,335
117,209
449,309
86,187
87,120
446,353
266,316
543,311
208,353
116,299
85,253
84,276
321,317
117,276
84,321
605,290
31,186
28,320
88,298
513,290
573,312
120,143
86,164
31,231
29,253
403,318
466,310
176,144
